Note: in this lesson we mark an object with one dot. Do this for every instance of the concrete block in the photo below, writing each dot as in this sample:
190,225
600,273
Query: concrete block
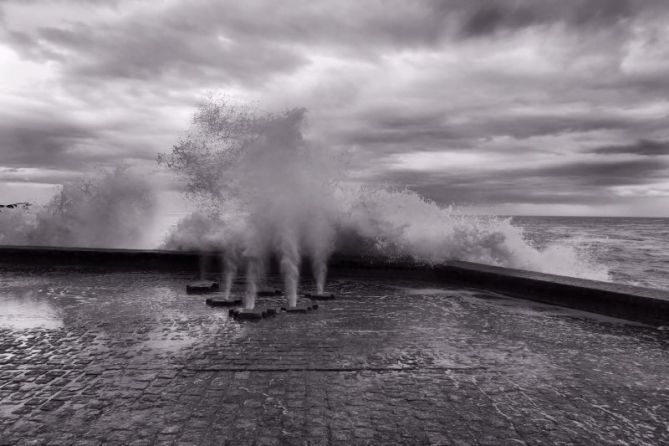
201,287
324,296
223,302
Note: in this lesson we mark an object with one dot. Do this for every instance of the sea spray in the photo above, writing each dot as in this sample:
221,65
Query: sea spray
400,223
16,226
256,180
259,168
290,263
253,268
113,209
229,261
319,242
294,199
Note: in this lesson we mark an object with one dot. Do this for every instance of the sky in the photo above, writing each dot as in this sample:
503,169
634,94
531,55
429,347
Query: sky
512,107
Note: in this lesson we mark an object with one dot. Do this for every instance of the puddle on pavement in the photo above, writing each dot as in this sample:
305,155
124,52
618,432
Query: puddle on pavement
26,312
169,343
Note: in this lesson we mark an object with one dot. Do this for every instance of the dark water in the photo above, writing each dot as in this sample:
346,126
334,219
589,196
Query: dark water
635,250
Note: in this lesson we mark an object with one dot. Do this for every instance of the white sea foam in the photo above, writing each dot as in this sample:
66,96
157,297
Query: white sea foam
402,223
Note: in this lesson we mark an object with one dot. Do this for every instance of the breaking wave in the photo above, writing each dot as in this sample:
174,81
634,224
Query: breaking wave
267,190
110,210
262,188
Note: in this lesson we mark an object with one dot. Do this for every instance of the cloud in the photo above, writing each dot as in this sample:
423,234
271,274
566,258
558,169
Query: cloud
47,143
57,142
533,101
492,18
247,41
585,182
486,18
604,173
149,51
642,147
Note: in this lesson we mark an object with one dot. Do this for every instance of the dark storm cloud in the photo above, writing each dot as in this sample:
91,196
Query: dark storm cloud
190,39
396,23
397,129
40,143
504,80
526,192
540,124
642,147
63,3
148,51
28,45
591,173
574,182
402,127
249,42
492,18
616,173
349,26
228,41
56,142
486,188
485,18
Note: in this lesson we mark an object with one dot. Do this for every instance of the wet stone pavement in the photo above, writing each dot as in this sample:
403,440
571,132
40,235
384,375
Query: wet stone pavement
129,358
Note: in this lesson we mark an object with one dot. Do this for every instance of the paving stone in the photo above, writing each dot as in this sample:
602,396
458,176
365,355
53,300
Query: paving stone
388,362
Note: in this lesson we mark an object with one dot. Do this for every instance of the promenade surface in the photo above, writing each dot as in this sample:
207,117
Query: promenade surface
129,358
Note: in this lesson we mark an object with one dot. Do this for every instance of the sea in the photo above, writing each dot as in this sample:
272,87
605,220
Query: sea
635,250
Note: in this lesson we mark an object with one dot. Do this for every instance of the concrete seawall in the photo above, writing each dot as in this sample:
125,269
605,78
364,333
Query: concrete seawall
612,299
619,300
38,256
624,301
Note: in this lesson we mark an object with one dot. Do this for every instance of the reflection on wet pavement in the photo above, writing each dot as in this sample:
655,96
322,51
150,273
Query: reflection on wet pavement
26,312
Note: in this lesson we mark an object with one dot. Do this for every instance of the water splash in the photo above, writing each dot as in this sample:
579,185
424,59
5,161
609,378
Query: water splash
256,173
229,271
268,190
111,210
402,223
253,274
263,189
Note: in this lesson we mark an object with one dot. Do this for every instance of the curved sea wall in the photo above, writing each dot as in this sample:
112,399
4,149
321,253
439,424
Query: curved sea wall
618,300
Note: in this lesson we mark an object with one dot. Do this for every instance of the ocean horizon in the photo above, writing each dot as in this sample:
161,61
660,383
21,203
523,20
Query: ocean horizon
635,250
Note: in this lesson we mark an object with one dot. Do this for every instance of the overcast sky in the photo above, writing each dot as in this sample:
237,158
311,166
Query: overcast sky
518,106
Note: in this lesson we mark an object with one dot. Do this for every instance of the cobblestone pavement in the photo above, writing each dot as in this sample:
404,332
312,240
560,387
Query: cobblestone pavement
128,358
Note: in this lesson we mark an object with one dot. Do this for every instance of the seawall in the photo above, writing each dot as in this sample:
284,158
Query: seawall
618,300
